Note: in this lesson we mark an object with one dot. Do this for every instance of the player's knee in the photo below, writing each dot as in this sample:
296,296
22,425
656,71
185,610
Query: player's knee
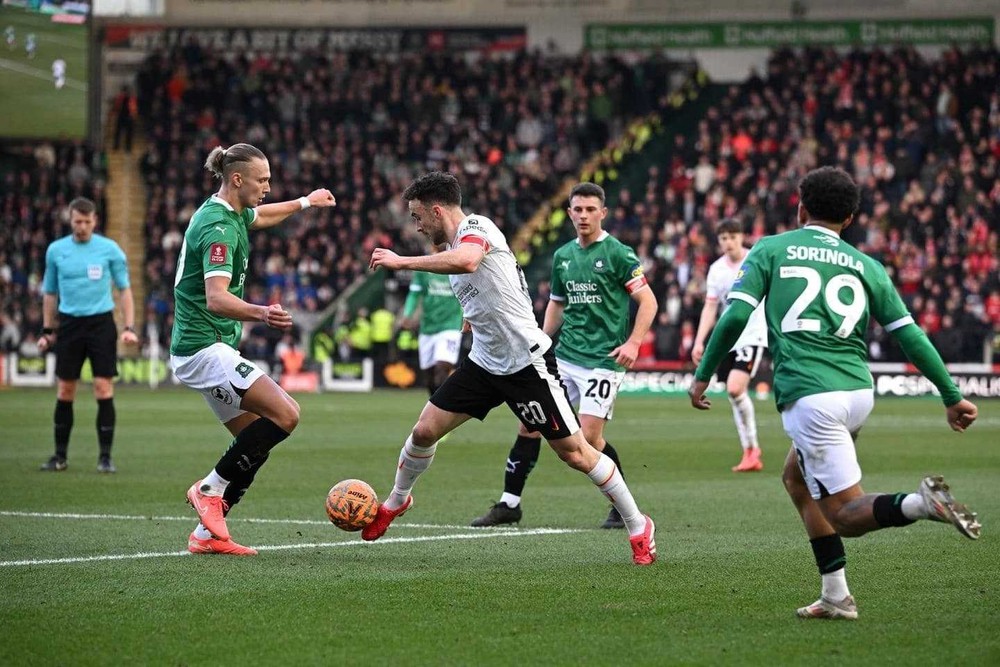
66,390
287,417
423,434
735,392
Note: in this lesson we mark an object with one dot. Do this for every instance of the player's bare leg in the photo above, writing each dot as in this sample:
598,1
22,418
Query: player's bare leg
577,453
737,386
415,457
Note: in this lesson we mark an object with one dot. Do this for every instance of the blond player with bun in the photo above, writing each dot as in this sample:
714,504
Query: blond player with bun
209,312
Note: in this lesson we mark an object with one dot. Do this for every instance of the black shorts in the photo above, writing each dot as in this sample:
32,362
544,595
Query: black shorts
746,359
94,337
534,394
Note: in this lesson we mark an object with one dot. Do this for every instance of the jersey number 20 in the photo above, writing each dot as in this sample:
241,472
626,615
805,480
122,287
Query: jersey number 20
851,312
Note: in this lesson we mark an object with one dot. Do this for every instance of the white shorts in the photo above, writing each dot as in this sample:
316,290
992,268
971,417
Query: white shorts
592,390
443,346
820,427
221,375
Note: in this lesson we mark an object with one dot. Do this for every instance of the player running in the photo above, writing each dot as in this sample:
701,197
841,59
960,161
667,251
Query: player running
510,361
740,365
209,312
593,277
820,293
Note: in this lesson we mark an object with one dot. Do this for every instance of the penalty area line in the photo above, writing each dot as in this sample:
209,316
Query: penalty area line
135,517
288,547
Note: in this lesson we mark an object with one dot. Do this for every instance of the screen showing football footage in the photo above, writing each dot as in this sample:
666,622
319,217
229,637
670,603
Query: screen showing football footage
43,69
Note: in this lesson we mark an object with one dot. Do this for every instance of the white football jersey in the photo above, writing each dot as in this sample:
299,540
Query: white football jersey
495,302
720,279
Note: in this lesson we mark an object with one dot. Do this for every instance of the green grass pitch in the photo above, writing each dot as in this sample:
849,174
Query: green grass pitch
30,105
734,560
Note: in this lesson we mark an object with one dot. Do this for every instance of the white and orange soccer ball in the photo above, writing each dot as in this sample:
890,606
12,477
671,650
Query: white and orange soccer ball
351,504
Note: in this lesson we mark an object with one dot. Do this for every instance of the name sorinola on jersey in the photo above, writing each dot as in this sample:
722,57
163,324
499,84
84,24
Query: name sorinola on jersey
824,255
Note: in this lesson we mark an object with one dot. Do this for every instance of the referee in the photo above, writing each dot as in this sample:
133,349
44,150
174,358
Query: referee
79,270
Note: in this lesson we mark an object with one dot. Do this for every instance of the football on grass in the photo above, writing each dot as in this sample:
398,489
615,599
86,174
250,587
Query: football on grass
351,504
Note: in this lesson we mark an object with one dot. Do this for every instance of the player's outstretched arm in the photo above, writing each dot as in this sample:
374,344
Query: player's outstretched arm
731,325
463,259
269,215
919,350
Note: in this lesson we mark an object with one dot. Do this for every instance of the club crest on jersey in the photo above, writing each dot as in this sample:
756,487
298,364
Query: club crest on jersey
827,239
739,277
600,266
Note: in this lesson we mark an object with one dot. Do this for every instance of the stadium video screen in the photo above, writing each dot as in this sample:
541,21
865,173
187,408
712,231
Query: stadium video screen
43,69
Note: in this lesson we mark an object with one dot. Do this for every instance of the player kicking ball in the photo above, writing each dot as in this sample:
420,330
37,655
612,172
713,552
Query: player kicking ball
820,294
510,362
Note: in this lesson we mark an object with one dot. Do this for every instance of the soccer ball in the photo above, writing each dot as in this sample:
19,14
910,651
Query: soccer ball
351,504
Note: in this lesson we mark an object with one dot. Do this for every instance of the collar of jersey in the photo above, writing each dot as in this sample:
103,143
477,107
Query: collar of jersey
219,200
604,235
824,230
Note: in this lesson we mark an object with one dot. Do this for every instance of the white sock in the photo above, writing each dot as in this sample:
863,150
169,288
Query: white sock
202,533
510,500
835,585
746,420
913,507
609,480
413,461
213,485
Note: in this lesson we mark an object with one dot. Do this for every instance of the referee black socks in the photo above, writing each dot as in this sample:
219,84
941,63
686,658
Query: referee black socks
63,425
105,424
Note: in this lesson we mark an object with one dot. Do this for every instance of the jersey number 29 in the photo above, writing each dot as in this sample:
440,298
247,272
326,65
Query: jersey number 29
851,312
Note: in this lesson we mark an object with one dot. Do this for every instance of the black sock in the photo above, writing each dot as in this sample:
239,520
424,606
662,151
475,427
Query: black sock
888,510
829,553
239,485
250,448
63,421
105,424
522,458
613,455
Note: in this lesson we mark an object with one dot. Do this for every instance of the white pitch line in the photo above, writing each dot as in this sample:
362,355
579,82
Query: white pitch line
287,547
39,74
135,517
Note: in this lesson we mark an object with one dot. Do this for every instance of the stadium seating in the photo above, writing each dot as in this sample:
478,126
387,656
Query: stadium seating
921,137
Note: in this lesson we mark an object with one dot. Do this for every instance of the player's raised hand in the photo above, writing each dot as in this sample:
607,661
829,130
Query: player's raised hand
277,317
625,354
697,395
961,415
385,257
321,198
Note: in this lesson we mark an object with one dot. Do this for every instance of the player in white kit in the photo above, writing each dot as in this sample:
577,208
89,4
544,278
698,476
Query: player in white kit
511,360
59,72
741,365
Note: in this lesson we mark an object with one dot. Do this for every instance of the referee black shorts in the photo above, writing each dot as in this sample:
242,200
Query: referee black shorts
93,337
534,394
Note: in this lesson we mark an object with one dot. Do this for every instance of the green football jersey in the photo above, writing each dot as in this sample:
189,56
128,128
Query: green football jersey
215,244
439,309
820,292
594,284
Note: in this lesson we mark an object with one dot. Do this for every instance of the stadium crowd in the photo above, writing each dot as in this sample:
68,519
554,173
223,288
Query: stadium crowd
921,137
363,125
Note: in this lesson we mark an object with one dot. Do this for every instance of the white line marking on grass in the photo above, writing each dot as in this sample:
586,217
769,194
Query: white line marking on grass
40,74
482,535
135,517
